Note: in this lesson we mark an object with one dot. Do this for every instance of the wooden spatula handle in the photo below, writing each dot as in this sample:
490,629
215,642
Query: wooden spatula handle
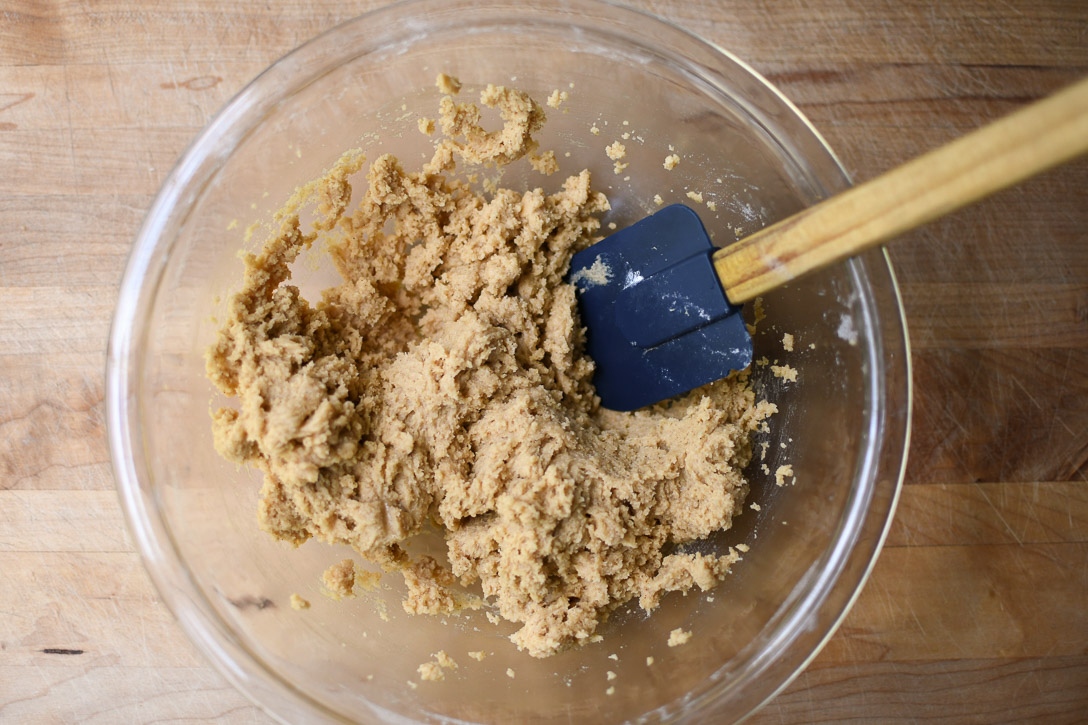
1001,154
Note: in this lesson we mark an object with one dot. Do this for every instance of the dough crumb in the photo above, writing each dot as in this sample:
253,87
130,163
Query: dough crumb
658,200
649,661
615,151
594,130
696,196
425,125
610,691
448,84
671,162
712,205
298,603
339,579
510,673
755,506
367,580
557,98
812,346
678,637
619,166
431,672
785,372
428,588
782,474
614,657
610,675
545,163
444,660
596,274
413,685
478,655
787,342
743,548
493,618
759,312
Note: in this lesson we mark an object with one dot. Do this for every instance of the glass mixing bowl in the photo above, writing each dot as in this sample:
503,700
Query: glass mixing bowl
843,426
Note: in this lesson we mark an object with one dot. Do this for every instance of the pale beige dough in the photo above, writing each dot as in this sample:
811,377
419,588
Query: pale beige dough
443,382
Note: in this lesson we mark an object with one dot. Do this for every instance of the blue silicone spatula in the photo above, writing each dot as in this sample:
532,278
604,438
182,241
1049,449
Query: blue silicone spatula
662,306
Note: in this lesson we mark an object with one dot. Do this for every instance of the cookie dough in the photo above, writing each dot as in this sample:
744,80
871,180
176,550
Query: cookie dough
443,384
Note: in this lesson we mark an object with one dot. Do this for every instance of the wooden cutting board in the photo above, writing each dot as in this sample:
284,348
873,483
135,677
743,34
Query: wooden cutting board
976,611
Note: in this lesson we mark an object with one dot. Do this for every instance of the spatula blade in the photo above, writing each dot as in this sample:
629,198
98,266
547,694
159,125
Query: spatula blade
658,322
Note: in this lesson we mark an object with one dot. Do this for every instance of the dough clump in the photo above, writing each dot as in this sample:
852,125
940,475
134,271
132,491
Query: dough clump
443,382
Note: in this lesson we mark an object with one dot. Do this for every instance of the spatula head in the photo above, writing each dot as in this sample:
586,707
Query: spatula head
658,321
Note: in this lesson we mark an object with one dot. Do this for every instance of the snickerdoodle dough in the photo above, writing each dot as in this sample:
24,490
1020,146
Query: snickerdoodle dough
444,382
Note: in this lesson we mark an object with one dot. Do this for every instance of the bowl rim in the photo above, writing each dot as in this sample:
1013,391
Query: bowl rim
166,568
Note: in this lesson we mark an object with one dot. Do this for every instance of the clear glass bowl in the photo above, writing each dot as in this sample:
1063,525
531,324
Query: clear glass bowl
843,426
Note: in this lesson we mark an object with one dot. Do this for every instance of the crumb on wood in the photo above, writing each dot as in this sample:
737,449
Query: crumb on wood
671,162
785,372
431,672
782,474
298,603
759,314
678,637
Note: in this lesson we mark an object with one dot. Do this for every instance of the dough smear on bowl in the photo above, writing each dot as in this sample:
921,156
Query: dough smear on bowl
443,381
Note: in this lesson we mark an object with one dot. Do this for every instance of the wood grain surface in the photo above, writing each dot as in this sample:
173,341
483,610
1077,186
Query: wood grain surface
976,611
